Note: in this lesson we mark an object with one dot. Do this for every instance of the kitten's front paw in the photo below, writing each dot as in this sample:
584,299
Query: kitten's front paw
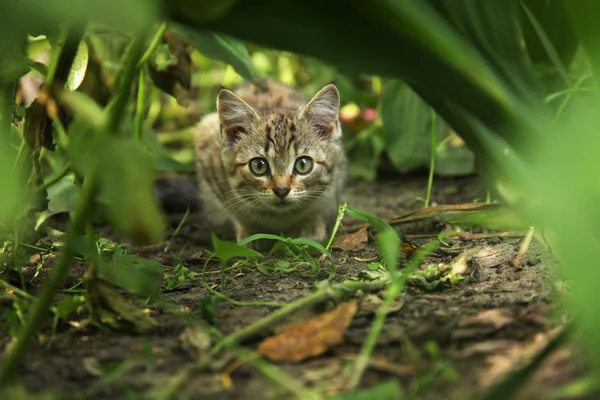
316,231
260,245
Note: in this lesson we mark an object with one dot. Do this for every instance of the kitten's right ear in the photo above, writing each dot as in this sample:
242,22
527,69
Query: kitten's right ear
235,115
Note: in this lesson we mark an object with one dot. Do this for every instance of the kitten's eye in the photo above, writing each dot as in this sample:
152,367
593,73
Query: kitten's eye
259,166
303,165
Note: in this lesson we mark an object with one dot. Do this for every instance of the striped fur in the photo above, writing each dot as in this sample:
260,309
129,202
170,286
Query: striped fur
279,126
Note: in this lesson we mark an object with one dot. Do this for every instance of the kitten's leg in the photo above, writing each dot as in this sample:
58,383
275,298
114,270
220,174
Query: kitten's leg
316,230
261,245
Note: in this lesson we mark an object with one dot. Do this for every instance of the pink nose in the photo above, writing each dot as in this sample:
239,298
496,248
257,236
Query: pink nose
281,191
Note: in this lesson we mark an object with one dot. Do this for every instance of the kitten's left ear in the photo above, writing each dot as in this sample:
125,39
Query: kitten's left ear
323,112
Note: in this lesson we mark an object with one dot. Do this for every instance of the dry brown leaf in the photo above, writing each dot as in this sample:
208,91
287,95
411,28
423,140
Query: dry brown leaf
352,241
310,338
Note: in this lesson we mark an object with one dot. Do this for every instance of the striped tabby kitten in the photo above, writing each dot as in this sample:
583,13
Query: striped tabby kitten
269,162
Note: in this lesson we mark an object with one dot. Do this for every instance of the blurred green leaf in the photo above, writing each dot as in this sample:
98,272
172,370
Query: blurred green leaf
14,197
126,172
407,126
311,243
63,195
220,48
454,161
552,18
38,17
135,274
86,109
13,63
389,389
364,151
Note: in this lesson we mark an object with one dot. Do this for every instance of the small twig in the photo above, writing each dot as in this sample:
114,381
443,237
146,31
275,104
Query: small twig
334,292
516,262
432,159
179,226
240,303
391,293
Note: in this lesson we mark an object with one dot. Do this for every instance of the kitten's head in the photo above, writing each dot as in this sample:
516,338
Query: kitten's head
281,159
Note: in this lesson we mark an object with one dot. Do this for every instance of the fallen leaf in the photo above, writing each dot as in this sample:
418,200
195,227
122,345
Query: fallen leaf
408,248
310,338
352,241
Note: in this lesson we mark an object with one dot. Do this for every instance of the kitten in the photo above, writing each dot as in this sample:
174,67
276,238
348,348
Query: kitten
270,162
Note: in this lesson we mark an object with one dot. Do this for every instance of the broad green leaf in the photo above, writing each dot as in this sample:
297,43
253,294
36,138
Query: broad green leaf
14,195
135,274
310,242
84,107
38,17
126,172
220,48
226,250
13,63
387,238
454,161
552,19
259,236
364,151
407,126
368,218
63,195
164,163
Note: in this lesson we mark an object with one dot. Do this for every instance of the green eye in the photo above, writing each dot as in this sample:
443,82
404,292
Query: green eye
303,165
259,166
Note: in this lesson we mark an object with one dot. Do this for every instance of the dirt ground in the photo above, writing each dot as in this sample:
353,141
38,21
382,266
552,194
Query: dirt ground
492,322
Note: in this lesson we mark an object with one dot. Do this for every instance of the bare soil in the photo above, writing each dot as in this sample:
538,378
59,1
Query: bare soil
488,325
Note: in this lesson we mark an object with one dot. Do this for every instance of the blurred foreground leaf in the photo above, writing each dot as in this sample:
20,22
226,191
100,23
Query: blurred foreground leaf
135,274
126,183
220,48
407,126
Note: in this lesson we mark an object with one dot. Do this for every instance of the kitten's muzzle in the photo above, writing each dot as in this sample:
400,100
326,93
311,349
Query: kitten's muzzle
281,191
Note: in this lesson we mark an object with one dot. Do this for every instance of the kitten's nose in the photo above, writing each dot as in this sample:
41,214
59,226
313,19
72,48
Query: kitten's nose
281,191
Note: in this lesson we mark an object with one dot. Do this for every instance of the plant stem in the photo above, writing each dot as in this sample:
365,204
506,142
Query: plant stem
53,66
139,109
55,280
153,44
50,182
433,154
118,103
240,303
338,221
338,291
275,374
391,293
